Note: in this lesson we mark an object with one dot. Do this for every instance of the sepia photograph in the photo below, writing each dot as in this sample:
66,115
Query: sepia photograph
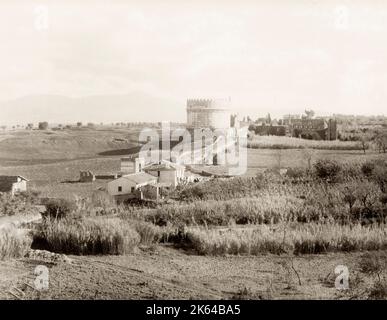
172,150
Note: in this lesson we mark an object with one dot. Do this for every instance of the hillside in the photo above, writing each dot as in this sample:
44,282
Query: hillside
46,146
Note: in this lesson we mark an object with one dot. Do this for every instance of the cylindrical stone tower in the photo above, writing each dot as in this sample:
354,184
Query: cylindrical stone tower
208,113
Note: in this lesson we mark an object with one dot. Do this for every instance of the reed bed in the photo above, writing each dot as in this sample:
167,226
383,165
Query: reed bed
300,202
297,239
87,236
14,243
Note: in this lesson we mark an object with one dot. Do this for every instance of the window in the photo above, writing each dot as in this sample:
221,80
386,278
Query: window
132,189
158,174
119,189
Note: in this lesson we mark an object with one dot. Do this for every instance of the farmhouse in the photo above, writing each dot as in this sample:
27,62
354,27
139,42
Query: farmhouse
316,129
131,186
13,184
167,173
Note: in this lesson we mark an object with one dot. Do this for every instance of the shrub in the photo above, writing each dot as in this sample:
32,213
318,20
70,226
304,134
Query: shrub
327,169
101,199
59,208
380,176
378,291
43,125
383,198
367,168
14,243
20,204
219,189
373,263
86,236
148,232
296,173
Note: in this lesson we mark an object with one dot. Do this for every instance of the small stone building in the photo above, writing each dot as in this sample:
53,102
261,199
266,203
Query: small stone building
13,184
86,176
316,129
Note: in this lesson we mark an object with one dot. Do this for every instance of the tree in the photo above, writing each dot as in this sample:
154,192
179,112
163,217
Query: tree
349,197
309,114
381,142
79,124
380,176
364,142
43,125
278,156
308,155
59,208
268,118
30,126
327,169
3,127
252,127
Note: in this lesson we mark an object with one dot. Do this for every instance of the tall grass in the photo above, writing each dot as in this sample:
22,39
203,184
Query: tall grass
21,204
299,239
263,209
276,202
220,189
87,236
14,243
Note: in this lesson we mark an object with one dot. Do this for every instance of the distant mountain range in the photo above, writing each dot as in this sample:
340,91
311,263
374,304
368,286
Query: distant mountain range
132,107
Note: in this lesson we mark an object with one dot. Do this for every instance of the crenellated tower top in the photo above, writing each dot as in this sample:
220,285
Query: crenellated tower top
209,103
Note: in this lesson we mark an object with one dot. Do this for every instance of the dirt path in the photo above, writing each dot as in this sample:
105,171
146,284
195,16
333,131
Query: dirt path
166,273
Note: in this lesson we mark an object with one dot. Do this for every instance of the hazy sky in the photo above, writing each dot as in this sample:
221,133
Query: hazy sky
268,56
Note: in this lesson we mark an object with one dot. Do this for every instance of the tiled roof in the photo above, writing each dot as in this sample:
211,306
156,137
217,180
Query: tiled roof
6,182
140,177
159,167
164,166
12,178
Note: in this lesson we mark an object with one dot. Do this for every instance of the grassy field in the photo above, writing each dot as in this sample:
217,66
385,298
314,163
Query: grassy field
36,147
60,178
261,159
276,142
57,177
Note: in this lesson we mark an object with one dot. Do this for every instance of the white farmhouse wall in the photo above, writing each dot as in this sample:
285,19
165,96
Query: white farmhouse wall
126,186
121,182
20,186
